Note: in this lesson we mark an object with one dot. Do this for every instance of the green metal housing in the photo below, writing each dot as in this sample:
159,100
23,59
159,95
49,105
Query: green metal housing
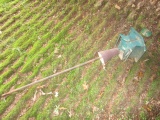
131,45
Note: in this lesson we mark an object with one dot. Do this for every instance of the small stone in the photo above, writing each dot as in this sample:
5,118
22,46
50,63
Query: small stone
117,7
0,32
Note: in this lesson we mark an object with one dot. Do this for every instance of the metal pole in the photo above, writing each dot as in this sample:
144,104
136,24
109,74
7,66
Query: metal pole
49,77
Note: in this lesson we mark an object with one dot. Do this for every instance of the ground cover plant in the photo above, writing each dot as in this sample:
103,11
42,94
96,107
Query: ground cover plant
40,38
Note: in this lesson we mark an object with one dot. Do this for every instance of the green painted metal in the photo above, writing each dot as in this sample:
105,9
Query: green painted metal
131,45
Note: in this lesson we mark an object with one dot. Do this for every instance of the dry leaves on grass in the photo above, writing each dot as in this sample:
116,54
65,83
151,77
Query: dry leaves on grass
70,113
117,7
140,75
42,86
147,108
59,56
34,97
98,3
40,91
56,111
56,94
56,51
153,77
85,86
59,111
43,93
153,2
32,118
140,5
62,108
94,109
150,106
101,93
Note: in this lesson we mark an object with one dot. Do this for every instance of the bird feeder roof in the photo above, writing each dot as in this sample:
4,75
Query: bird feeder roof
131,40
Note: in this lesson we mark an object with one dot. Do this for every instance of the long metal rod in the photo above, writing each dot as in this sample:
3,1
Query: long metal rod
49,77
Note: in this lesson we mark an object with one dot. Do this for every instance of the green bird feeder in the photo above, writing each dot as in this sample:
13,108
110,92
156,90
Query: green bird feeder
131,45
127,46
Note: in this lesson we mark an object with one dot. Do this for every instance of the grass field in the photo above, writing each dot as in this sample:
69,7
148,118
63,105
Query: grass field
41,37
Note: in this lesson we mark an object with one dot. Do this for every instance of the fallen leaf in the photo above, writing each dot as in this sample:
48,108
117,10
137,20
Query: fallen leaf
147,102
56,50
140,4
95,109
56,111
32,118
59,56
49,93
42,86
101,93
158,9
130,2
4,99
145,60
135,79
39,37
117,7
62,108
147,108
70,113
153,77
34,97
17,49
133,5
153,2
140,74
85,86
56,94
55,71
42,93
99,3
